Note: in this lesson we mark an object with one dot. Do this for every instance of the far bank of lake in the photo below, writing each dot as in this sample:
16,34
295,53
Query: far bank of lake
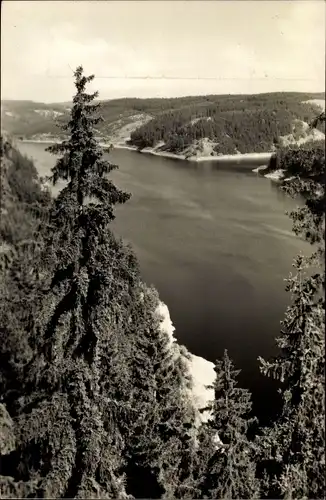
262,158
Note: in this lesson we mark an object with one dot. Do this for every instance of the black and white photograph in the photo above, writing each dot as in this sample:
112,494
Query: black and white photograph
162,249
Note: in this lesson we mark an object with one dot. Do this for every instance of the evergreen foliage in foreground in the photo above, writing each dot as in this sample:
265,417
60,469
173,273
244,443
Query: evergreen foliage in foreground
297,439
230,465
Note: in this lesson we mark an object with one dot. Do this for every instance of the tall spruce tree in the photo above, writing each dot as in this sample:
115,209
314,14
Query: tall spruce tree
66,440
228,463
293,448
296,442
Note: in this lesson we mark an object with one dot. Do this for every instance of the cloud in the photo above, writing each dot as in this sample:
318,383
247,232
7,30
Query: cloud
256,47
303,34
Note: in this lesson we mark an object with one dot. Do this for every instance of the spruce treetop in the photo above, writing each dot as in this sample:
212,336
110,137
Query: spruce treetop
232,404
82,164
230,470
297,438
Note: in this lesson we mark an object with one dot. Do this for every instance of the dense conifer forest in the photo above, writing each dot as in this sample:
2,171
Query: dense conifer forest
94,399
237,124
234,123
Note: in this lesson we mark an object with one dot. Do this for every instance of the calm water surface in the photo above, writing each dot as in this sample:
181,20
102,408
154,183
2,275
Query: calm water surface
216,243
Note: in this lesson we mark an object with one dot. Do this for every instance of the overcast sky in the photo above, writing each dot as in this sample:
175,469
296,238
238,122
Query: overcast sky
220,46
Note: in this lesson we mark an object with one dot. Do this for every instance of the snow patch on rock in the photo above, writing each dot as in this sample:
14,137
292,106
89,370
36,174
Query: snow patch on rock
166,323
203,375
201,371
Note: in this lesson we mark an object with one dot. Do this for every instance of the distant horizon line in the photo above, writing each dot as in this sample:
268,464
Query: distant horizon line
170,97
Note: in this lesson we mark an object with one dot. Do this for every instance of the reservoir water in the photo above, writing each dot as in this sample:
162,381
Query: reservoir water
216,243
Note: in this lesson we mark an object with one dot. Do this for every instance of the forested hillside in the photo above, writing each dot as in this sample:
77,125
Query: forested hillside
94,397
230,123
234,124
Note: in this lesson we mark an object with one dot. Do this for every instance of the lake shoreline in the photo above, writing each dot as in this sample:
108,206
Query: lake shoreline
275,176
266,156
